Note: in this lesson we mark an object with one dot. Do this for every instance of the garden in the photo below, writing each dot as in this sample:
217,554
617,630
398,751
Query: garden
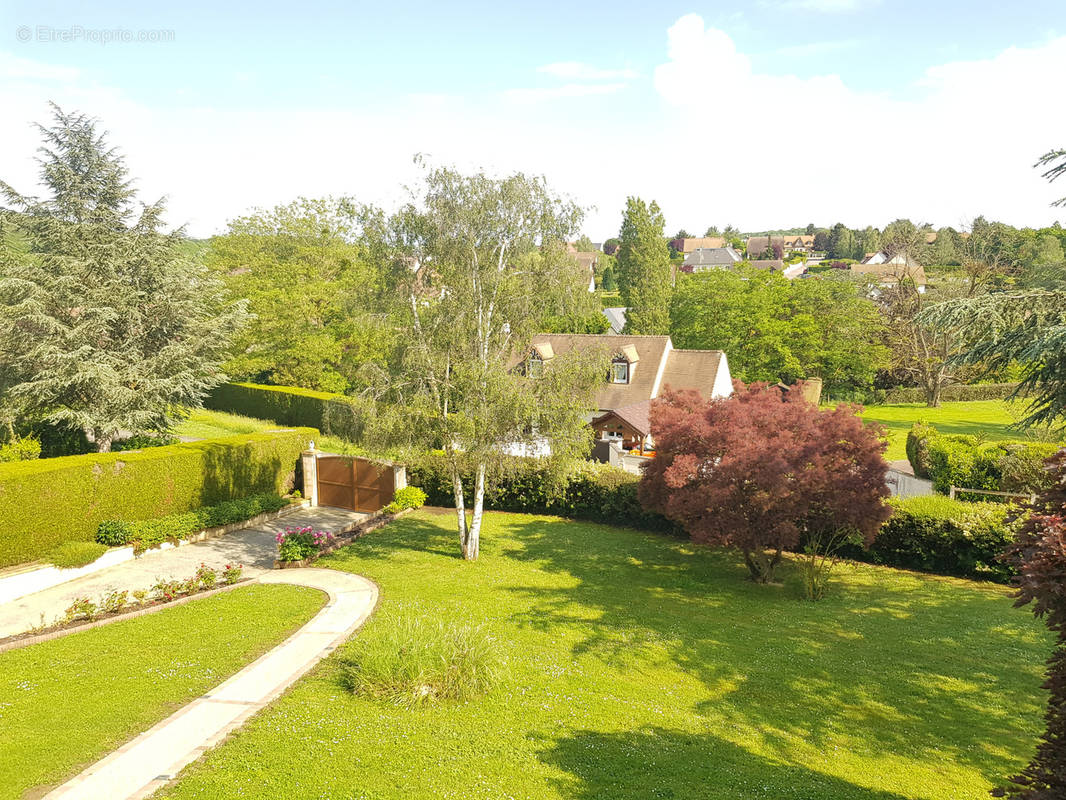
630,664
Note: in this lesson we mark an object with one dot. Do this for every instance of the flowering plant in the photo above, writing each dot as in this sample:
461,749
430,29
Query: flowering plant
296,544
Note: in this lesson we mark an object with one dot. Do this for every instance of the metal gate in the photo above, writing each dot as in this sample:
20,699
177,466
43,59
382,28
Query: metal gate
355,483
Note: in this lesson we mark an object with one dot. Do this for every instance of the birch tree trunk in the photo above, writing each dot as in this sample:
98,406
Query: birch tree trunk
472,546
460,505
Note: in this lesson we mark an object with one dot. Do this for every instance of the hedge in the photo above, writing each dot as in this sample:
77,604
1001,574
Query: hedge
50,501
333,414
958,393
589,491
943,536
962,460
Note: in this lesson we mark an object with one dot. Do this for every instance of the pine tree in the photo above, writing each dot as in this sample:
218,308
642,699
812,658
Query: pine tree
644,269
104,324
608,284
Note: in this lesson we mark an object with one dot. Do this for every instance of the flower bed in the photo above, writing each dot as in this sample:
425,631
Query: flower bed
340,539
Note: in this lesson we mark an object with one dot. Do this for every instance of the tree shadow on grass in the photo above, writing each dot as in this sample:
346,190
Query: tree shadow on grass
921,667
661,763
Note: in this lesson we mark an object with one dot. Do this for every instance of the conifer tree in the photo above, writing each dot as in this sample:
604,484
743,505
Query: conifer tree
643,272
104,324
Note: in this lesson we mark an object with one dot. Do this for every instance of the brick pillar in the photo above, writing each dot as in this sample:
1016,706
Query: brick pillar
309,461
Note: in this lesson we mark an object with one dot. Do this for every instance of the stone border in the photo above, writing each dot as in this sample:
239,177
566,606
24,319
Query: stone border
20,640
344,537
28,581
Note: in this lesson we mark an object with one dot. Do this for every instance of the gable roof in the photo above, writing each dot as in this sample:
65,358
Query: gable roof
637,416
712,257
772,264
616,318
887,272
656,365
687,245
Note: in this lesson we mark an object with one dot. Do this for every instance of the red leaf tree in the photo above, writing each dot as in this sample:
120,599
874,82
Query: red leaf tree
763,471
1039,554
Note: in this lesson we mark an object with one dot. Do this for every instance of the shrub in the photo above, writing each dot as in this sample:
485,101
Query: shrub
231,574
114,602
408,497
332,414
588,491
114,533
77,493
411,659
918,448
76,554
165,589
25,449
81,608
141,596
947,537
296,544
206,576
143,441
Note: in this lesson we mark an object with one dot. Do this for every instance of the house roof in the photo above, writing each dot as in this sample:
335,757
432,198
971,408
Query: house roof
657,365
772,264
892,273
760,244
637,416
586,260
616,318
712,257
694,243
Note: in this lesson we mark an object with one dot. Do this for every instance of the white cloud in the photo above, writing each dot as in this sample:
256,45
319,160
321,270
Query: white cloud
717,142
577,71
829,6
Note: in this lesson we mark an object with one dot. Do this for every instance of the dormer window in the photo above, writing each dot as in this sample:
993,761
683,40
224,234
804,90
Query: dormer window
619,370
534,365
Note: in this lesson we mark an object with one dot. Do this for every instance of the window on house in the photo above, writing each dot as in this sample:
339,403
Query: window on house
619,371
534,365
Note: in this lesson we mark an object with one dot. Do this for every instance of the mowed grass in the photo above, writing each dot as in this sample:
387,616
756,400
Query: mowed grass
70,701
640,666
205,424
989,418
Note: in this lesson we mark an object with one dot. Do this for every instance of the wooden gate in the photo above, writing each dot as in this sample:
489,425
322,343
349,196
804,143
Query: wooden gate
355,483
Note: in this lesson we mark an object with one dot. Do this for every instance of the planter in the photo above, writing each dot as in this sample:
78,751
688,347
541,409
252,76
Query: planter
345,537
28,580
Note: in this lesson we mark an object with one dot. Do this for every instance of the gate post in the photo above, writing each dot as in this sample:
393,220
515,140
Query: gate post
309,461
399,477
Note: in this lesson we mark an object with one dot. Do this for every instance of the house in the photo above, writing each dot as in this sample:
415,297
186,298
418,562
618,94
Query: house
687,245
890,270
641,368
757,245
616,319
587,261
705,258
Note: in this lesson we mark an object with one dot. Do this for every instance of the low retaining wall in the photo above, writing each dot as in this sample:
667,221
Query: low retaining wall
29,580
345,537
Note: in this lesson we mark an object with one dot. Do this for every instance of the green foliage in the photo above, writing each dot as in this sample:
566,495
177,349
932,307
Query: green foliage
969,462
586,491
142,441
296,544
26,448
410,660
76,493
115,601
333,414
81,608
173,527
408,497
773,329
643,272
608,283
963,392
105,324
76,554
943,536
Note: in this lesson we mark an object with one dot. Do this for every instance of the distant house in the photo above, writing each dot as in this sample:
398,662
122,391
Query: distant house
890,270
757,245
629,427
705,258
687,245
587,260
616,319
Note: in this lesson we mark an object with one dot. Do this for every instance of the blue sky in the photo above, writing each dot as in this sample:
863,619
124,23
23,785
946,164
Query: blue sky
767,113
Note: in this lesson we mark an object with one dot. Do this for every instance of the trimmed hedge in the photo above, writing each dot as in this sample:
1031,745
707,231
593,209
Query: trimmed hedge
943,536
958,393
962,460
70,555
152,532
590,491
333,414
47,502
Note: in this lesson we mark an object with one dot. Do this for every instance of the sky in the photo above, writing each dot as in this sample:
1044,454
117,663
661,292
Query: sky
761,114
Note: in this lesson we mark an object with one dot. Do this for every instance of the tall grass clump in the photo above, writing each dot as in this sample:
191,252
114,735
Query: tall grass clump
408,659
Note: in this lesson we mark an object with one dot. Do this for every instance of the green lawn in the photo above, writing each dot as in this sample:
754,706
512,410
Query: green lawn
68,702
204,424
640,666
990,418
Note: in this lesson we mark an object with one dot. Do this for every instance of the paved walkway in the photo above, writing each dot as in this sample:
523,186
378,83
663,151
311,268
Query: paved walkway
154,758
255,548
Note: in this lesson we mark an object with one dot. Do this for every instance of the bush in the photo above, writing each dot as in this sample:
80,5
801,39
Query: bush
333,414
143,441
296,544
947,537
25,449
76,493
411,659
408,497
150,533
918,448
76,554
959,393
588,491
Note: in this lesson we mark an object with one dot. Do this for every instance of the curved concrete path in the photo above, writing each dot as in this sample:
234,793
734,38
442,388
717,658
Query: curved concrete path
142,766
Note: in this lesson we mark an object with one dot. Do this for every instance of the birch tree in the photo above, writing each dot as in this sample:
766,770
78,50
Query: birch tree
475,259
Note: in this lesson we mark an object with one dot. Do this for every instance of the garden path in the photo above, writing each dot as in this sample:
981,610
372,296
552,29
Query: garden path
254,547
149,762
